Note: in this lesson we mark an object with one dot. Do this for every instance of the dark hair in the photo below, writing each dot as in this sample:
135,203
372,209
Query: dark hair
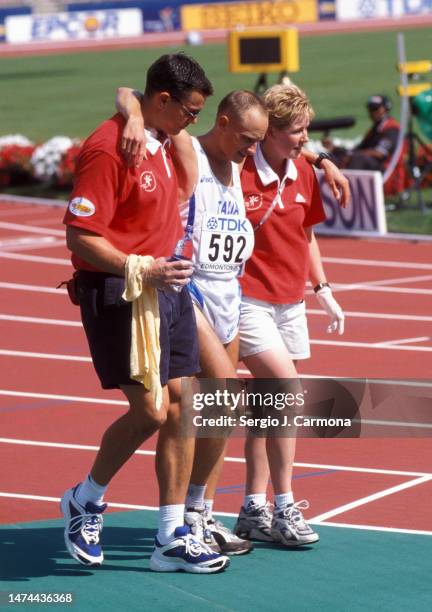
239,101
177,73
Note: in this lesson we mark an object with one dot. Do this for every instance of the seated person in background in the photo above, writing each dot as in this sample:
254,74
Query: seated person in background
378,145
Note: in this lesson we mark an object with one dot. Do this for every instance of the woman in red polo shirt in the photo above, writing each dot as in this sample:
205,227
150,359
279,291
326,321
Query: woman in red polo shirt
283,203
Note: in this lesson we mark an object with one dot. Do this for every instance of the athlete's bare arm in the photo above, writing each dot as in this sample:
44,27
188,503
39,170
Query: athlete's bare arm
316,270
337,182
98,252
186,164
133,144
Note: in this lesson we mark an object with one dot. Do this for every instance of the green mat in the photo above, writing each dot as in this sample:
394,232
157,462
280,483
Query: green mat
347,570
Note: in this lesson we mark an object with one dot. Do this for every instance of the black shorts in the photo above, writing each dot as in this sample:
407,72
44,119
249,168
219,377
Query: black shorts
106,318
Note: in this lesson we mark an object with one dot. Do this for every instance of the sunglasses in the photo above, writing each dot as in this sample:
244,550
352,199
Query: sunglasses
193,114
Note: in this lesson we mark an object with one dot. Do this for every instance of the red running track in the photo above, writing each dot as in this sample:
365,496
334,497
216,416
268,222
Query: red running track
50,395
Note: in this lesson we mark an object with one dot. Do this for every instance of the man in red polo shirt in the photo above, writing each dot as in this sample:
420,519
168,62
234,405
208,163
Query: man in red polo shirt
117,211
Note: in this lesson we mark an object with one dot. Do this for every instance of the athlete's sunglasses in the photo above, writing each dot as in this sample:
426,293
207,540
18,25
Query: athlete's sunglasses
193,114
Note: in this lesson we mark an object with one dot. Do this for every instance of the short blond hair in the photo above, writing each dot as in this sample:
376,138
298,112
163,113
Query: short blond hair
287,104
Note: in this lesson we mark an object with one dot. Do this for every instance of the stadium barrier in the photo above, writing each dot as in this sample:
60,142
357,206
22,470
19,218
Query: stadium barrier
365,215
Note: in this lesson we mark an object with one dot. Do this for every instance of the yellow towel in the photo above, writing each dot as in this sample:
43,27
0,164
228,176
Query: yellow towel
145,347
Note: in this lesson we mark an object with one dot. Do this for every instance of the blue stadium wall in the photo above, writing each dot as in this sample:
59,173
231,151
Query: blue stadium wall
151,10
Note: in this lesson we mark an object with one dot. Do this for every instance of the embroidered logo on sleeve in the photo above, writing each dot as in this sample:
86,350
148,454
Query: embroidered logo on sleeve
299,198
81,207
253,201
148,181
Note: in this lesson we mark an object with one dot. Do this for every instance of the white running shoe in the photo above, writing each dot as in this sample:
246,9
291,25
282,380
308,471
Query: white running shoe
83,528
288,526
228,542
254,522
214,533
186,553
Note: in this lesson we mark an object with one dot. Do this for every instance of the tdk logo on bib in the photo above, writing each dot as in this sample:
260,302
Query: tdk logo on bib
227,224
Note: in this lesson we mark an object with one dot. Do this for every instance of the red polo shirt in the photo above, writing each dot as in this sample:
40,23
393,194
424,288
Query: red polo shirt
279,267
135,209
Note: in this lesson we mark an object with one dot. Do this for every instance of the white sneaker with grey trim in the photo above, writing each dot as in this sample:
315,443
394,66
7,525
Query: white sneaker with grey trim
289,528
254,522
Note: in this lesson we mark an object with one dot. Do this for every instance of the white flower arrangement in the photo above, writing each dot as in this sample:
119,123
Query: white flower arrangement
47,157
15,139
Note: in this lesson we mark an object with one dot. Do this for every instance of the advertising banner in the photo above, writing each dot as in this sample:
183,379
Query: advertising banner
230,15
77,25
326,9
365,214
370,9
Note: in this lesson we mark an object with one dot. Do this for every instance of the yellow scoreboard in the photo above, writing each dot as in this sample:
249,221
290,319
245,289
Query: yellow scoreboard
263,50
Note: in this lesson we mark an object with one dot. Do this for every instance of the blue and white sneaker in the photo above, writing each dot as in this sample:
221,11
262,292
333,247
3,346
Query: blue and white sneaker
185,553
83,528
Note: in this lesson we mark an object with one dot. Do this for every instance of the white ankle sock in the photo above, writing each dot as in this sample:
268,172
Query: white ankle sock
90,491
170,517
195,496
259,499
284,499
208,505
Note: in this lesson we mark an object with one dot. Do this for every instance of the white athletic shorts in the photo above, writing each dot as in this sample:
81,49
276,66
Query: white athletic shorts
219,301
264,326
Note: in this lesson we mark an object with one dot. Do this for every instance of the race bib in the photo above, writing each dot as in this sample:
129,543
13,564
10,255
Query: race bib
226,243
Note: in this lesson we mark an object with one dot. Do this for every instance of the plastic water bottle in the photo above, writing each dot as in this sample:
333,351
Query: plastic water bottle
183,250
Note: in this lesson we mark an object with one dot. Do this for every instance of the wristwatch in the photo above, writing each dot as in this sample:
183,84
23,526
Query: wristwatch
321,286
321,156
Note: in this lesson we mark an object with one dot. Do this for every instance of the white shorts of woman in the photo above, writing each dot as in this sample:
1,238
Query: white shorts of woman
219,301
265,326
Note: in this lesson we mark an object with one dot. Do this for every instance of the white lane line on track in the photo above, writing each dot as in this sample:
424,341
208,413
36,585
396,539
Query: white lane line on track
409,290
338,287
57,261
31,355
403,341
10,495
40,320
37,288
393,423
64,398
363,315
373,528
370,498
377,263
371,345
335,260
386,284
30,229
368,345
57,499
31,211
376,381
25,241
33,245
374,315
82,358
341,468
85,447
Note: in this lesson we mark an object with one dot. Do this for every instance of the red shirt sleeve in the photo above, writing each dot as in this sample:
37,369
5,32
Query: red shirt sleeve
96,192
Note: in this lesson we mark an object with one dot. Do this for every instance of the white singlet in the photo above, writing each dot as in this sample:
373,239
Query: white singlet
222,241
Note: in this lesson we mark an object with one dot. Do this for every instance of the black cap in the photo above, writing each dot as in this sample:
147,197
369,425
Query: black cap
377,101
